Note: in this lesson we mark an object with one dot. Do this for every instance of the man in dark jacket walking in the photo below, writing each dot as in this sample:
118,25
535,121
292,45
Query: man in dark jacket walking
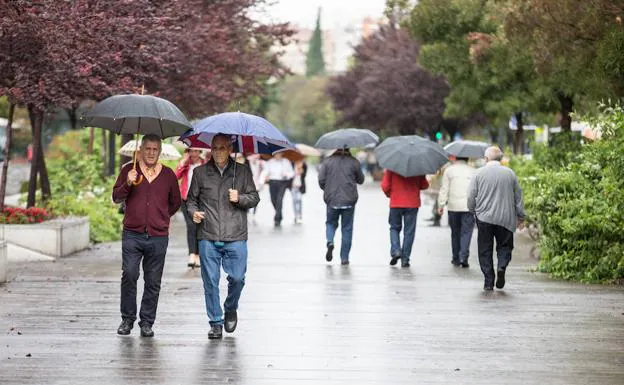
338,177
152,196
221,193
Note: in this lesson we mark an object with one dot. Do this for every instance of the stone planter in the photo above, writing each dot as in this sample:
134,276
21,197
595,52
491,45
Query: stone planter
3,262
57,237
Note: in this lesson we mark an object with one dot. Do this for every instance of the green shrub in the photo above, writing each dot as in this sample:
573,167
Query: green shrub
574,193
80,189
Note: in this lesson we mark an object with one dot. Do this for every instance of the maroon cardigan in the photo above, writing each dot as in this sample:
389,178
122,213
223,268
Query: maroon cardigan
149,206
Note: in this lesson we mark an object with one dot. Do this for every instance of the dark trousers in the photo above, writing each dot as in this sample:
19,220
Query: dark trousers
137,247
277,188
191,230
402,219
462,225
485,241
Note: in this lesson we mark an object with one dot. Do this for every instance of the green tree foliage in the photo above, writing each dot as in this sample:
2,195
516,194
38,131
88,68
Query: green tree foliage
315,64
303,111
574,193
463,40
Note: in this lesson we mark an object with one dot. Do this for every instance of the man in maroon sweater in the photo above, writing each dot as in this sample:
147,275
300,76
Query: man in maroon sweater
152,196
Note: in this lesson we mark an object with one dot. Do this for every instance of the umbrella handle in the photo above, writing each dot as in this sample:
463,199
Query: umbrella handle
134,156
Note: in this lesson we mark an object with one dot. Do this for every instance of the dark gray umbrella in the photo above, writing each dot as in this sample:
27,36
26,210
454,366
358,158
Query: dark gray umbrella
410,155
347,138
137,114
467,149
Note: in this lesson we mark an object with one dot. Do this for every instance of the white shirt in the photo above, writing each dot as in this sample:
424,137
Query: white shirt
454,189
190,175
280,169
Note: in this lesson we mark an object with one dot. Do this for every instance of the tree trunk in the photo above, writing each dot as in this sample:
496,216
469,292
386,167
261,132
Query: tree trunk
567,103
125,138
46,192
103,151
35,125
111,154
73,118
7,152
91,140
519,141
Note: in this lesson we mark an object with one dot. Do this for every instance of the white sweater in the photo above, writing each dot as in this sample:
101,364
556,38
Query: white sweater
454,189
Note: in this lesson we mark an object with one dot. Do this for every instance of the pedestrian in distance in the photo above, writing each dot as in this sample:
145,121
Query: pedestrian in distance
404,194
279,174
222,192
495,198
298,188
454,196
152,196
338,177
190,161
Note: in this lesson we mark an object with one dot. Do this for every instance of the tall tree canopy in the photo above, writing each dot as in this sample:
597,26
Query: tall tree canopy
315,63
386,89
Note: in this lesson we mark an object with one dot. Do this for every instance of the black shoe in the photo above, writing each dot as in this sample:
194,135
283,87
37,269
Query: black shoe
344,263
500,278
231,320
125,327
216,332
405,264
487,287
394,259
330,249
277,224
146,331
465,264
455,262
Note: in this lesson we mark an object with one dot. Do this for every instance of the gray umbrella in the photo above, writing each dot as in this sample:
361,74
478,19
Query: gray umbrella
137,114
410,155
347,138
467,149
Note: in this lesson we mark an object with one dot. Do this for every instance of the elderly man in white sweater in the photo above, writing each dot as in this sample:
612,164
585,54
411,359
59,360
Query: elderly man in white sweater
495,197
454,195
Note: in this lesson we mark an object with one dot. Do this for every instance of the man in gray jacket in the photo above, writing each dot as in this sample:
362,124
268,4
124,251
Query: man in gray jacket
495,197
221,193
339,176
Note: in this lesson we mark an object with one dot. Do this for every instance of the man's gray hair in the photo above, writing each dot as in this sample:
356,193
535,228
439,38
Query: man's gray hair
494,153
151,138
228,137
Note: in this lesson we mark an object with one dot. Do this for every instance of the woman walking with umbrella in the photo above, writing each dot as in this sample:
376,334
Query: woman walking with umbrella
184,172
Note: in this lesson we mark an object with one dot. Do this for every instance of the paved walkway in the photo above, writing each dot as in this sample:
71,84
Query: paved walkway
303,321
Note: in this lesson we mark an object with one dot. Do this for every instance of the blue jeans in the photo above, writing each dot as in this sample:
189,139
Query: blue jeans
331,225
233,257
462,224
402,218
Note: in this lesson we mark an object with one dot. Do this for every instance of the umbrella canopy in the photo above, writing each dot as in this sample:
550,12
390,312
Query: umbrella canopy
137,114
467,149
168,152
250,134
347,138
410,155
307,150
291,155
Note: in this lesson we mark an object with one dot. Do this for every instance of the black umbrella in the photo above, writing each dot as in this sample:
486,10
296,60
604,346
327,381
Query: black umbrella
347,138
137,114
410,155
467,149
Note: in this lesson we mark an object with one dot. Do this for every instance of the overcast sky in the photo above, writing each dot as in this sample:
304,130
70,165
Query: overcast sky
335,13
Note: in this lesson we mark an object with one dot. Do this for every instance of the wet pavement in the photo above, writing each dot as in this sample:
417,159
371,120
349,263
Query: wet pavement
303,320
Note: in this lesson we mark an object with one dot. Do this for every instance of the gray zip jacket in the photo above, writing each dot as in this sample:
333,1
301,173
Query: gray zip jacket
209,192
495,196
338,177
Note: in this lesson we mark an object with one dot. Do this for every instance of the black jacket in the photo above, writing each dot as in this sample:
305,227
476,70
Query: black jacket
209,192
339,176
